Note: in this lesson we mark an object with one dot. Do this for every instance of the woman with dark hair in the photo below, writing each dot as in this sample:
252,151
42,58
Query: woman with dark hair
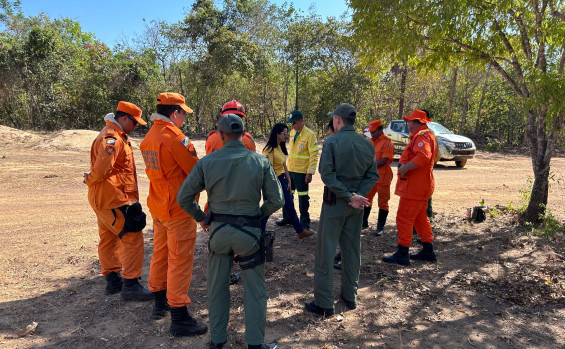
275,151
331,129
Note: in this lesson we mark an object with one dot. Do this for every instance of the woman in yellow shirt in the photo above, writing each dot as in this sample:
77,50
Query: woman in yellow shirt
276,152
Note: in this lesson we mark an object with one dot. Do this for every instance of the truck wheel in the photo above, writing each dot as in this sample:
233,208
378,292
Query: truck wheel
461,163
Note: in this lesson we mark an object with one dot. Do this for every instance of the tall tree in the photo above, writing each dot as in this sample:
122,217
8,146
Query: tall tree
522,40
451,95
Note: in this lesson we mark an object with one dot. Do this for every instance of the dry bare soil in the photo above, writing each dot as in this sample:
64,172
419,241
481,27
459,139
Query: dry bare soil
494,285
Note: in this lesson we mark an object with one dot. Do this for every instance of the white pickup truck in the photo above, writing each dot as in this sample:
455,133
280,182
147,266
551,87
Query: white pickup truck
452,147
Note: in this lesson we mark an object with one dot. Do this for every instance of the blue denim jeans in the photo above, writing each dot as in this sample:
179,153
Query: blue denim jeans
288,207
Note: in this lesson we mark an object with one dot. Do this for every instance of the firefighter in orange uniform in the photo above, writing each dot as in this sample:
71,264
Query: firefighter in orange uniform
214,141
384,154
113,195
169,157
415,186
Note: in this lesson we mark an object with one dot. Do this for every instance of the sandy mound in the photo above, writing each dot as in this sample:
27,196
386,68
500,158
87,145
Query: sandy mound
10,136
73,140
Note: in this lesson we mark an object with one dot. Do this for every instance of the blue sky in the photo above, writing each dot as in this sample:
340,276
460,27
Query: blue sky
113,21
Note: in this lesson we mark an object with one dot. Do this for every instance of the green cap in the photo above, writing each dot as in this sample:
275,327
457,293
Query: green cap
230,123
296,115
331,113
345,110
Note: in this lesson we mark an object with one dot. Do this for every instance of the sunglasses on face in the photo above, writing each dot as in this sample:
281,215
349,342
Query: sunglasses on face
133,120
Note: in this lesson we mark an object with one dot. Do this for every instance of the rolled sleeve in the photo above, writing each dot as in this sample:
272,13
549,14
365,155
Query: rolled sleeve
272,192
423,152
329,176
189,189
369,179
104,163
313,153
182,155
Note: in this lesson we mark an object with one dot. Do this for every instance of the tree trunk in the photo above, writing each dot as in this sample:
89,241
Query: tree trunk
286,92
451,96
180,81
296,101
264,116
542,145
402,91
374,100
477,124
465,109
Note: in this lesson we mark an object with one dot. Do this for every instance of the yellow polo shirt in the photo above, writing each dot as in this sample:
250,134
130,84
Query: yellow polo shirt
276,158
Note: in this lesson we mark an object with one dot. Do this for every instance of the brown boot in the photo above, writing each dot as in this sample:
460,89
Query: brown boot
305,233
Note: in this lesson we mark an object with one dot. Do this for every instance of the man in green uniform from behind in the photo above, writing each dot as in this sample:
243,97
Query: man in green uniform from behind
349,171
234,178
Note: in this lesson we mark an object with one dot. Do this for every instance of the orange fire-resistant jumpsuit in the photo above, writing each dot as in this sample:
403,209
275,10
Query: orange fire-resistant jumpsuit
383,149
416,187
112,182
214,142
169,157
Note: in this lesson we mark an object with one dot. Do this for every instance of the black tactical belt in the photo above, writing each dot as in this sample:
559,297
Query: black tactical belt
240,221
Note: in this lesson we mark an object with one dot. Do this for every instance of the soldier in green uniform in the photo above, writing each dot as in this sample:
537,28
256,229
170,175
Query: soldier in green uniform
349,171
234,178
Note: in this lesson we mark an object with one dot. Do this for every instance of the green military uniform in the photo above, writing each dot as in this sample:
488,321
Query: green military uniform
347,166
234,179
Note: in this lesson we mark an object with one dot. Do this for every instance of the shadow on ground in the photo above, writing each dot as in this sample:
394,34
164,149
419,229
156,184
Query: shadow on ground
481,293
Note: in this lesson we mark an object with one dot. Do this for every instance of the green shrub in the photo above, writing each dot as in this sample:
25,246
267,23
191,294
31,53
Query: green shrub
493,144
548,227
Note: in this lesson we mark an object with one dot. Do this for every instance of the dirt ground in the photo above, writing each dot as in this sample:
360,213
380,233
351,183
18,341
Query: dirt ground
494,286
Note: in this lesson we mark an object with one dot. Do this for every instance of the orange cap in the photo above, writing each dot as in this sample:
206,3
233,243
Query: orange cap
374,124
419,115
132,110
171,98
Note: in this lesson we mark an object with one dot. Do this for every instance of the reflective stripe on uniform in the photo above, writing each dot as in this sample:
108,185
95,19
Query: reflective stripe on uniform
311,170
313,149
302,193
298,156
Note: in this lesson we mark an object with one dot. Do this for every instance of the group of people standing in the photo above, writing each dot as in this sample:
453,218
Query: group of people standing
236,178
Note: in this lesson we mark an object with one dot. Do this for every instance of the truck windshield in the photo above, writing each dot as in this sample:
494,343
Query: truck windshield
438,128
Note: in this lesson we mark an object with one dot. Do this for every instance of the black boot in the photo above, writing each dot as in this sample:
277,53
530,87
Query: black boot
161,306
133,291
381,222
311,306
366,214
415,233
113,283
262,346
234,278
337,261
426,254
337,257
216,346
400,257
182,324
281,222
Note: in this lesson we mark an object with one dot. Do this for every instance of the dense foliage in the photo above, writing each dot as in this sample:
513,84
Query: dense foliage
272,59
521,40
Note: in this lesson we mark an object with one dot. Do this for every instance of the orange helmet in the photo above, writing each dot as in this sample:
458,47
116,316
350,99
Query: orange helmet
233,107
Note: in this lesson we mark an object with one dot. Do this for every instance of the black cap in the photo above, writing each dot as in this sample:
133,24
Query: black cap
345,110
230,123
